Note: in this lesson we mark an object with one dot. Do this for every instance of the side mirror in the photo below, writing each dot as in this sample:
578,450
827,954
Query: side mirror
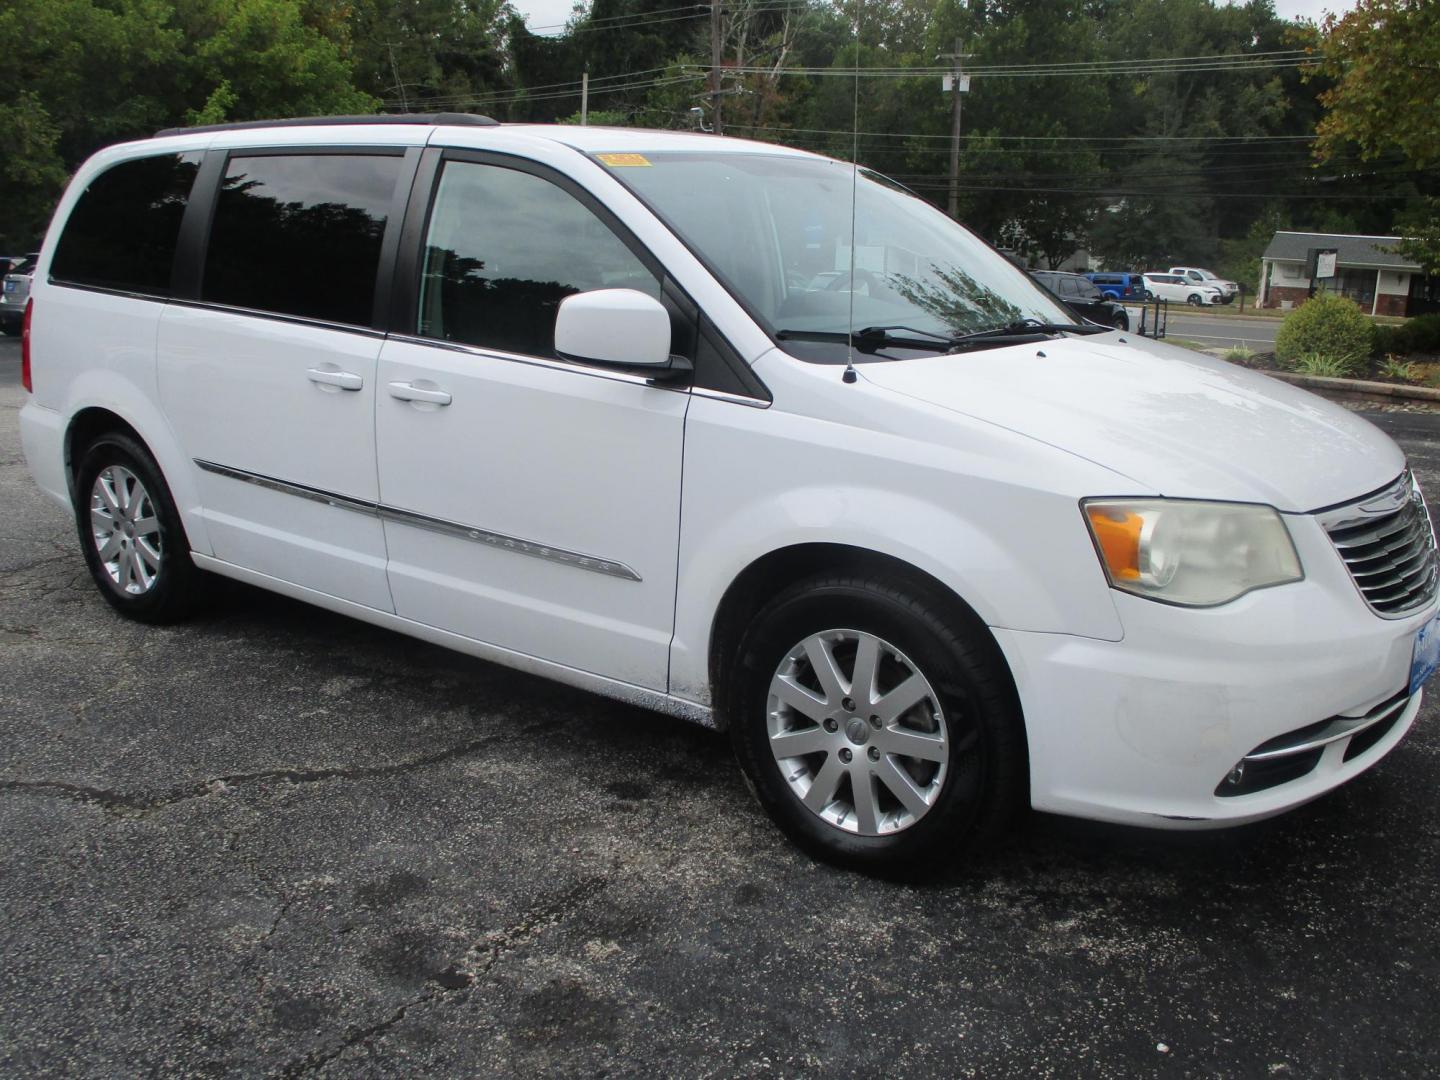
620,328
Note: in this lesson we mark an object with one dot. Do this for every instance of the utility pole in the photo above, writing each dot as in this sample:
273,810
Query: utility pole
956,83
715,99
585,97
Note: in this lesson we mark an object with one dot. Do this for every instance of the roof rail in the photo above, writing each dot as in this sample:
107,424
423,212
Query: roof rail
460,119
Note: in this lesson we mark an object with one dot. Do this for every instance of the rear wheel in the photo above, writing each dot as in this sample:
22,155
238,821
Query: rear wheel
131,534
877,734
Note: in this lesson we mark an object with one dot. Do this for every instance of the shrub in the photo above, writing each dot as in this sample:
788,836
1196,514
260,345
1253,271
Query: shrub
1238,355
1318,363
1418,335
1394,367
1328,325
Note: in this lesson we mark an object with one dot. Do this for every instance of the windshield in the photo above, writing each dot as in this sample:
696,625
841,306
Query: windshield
777,231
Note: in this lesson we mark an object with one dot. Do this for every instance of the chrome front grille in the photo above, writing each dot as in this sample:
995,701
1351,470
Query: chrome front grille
1388,545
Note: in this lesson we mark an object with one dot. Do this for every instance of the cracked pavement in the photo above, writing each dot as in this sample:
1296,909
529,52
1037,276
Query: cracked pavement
276,841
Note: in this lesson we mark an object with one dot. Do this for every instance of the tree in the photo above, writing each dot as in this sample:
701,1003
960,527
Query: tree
1384,56
76,75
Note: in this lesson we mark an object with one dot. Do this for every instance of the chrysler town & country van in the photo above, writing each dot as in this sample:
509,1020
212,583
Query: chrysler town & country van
734,432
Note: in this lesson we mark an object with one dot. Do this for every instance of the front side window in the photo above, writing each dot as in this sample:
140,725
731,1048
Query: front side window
504,248
779,231
122,232
300,234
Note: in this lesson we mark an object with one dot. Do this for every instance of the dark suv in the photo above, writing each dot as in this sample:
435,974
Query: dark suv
1084,298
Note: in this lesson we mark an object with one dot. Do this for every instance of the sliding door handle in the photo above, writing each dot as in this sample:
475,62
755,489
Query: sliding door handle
410,392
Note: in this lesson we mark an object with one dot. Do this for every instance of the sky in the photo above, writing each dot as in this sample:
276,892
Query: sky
554,13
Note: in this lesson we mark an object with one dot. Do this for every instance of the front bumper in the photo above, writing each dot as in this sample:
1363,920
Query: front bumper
1146,730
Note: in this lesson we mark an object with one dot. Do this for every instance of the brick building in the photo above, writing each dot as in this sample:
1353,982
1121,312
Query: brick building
1379,281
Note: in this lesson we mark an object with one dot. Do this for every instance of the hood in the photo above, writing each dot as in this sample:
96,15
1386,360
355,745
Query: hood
1178,423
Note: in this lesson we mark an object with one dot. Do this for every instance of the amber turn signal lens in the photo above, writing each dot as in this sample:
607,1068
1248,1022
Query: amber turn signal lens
1118,534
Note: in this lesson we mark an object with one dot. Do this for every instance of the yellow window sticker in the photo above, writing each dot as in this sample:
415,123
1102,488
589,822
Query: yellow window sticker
616,161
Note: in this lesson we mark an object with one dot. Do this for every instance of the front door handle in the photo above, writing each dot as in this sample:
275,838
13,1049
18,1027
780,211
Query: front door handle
345,380
410,392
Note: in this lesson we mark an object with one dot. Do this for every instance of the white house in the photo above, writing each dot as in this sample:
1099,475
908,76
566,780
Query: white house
1380,281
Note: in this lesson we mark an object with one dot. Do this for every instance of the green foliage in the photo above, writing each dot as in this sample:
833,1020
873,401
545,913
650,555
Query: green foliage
1393,367
31,172
1238,355
94,72
599,118
1384,55
1319,363
1421,231
1329,326
1419,336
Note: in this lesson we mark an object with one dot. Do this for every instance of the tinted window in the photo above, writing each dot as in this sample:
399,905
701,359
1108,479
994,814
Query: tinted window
121,234
300,235
1089,291
504,248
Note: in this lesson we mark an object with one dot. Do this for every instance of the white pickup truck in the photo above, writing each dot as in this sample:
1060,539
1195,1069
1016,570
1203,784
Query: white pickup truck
1197,276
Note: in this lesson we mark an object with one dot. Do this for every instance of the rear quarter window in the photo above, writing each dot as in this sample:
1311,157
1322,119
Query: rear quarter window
121,233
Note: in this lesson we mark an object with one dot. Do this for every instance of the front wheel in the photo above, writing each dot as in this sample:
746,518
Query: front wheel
876,732
1121,321
131,534
1194,300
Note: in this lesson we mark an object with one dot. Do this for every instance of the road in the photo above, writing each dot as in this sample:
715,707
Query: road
276,841
1217,330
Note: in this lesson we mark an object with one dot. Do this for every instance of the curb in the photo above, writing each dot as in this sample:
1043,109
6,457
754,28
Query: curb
1359,389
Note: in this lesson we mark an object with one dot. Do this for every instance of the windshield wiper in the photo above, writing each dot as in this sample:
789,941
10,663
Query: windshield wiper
872,339
1022,330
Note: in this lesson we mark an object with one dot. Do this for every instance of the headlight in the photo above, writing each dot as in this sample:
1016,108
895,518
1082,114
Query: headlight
1194,553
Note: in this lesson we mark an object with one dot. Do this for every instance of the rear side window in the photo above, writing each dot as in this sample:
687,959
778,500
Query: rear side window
121,234
299,234
504,248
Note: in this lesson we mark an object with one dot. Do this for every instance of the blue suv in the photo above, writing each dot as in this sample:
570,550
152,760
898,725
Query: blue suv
1120,286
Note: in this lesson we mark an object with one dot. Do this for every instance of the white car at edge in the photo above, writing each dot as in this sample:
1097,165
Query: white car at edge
1176,288
668,417
1196,275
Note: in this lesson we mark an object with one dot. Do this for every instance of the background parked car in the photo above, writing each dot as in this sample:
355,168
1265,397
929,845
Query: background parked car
1082,296
1120,285
14,293
1174,287
1196,275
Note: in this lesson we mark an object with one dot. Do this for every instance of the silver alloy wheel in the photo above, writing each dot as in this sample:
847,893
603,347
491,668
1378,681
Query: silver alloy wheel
126,530
858,732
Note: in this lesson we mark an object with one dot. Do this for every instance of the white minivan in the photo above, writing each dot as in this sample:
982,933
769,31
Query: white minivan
737,433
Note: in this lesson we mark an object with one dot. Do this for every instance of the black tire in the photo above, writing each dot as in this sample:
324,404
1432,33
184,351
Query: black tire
1122,321
1194,299
986,777
179,587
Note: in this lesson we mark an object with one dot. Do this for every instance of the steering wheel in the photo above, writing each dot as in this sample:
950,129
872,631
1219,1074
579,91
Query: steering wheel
858,277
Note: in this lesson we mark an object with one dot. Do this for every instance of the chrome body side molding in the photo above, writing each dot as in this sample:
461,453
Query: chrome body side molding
536,550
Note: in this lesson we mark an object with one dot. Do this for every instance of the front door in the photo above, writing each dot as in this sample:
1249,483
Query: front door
530,503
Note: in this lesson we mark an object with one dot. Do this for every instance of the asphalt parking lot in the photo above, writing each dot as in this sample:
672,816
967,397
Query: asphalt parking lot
277,841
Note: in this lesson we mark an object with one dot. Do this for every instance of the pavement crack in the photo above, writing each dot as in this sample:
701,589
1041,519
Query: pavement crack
357,1036
134,804
493,946
458,978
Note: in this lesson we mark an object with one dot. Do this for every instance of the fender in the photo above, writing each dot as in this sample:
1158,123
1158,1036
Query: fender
893,479
107,389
